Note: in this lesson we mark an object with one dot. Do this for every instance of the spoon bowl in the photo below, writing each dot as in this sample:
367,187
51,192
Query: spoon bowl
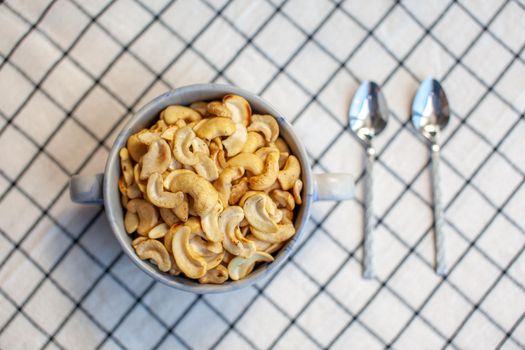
430,112
368,113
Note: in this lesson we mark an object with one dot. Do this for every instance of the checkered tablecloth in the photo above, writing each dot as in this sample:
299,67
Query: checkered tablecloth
72,71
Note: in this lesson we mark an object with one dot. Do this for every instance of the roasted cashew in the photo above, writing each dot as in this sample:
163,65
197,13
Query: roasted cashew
126,166
283,199
235,143
234,242
216,127
174,113
148,137
131,221
158,231
201,247
206,167
154,250
210,224
297,187
135,147
158,196
187,260
223,184
290,173
256,212
156,160
138,240
148,216
282,146
141,184
267,125
182,210
240,109
200,107
284,232
171,175
254,141
168,216
269,174
218,109
182,144
204,195
240,267
263,246
248,161
217,275
169,133
238,191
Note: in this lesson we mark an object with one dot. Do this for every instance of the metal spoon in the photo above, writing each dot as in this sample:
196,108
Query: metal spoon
430,115
368,115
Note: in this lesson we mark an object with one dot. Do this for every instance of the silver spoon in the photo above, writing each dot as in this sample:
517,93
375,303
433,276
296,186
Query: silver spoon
430,115
368,115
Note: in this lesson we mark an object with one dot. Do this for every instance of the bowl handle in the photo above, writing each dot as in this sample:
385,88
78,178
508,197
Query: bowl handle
333,187
86,189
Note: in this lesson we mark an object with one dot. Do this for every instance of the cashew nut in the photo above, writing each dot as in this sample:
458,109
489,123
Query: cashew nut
172,114
156,160
238,191
216,127
182,209
154,250
269,174
204,195
219,109
135,147
171,175
283,199
168,216
240,109
168,237
141,184
267,125
210,224
217,275
148,216
138,240
158,231
240,267
284,232
131,222
126,166
234,242
160,126
297,187
206,167
235,143
254,141
224,183
255,211
282,146
182,144
248,161
263,246
187,260
148,137
169,133
159,197
290,173
201,107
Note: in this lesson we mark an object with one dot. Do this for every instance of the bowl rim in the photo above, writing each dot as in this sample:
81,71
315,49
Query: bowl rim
143,117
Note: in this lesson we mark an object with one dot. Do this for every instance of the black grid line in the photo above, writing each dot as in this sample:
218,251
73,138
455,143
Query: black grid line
319,224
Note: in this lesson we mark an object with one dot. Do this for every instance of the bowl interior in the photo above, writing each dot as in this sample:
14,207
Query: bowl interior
144,118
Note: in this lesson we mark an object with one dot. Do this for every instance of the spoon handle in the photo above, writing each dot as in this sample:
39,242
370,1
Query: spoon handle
441,265
368,264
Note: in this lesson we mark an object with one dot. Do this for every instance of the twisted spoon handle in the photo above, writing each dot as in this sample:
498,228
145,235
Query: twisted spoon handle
368,264
440,258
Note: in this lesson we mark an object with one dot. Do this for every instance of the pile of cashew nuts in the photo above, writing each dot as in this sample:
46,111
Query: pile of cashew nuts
209,190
